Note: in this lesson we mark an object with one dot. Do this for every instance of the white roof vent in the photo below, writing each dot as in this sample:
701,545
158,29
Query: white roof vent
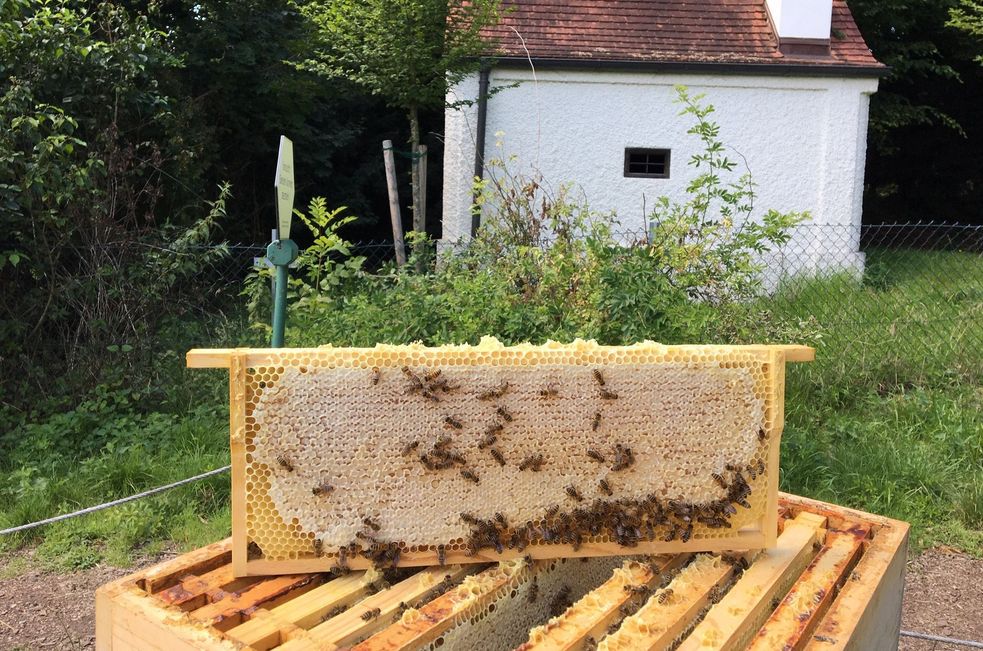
801,23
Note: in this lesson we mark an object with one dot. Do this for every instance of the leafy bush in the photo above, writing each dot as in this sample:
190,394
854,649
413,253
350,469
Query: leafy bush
547,266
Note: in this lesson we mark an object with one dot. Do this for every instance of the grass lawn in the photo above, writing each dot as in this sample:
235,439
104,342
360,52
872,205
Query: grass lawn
890,416
888,419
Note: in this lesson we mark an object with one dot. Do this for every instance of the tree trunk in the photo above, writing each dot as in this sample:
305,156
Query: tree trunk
419,218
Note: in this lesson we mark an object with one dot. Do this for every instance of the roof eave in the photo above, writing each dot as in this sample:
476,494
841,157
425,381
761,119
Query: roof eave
796,69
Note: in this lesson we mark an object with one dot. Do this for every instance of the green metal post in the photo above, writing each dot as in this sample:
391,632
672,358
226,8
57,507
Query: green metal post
280,253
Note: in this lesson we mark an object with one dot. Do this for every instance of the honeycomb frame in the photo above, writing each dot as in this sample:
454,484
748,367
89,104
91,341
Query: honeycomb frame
278,474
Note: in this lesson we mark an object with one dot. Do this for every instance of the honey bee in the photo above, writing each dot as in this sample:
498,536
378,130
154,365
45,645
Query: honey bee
410,447
731,467
761,467
334,612
573,493
431,375
720,480
442,442
761,434
598,377
533,462
751,471
561,601
596,422
628,609
743,502
322,489
284,463
450,421
370,523
504,413
590,644
318,547
470,476
533,591
376,375
687,533
369,615
665,596
596,456
501,520
605,487
497,392
498,456
671,534
638,590
467,518
608,395
552,511
494,428
488,440
361,535
551,391
402,608
441,555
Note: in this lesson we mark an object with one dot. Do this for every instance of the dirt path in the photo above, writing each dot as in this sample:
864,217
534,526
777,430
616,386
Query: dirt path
41,610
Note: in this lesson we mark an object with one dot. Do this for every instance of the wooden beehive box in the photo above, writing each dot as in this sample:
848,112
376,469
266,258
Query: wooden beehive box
833,581
413,456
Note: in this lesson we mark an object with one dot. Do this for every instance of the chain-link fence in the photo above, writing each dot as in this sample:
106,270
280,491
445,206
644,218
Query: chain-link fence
904,294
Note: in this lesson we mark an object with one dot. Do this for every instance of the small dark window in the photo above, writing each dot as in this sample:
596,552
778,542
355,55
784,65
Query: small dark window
647,163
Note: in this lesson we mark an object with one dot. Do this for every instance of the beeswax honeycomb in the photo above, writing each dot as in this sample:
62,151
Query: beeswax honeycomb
331,443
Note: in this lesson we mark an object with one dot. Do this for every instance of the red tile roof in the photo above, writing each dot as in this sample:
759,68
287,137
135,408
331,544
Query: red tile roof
665,31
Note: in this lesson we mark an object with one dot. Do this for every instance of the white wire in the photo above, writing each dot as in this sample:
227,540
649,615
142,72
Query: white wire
93,509
938,638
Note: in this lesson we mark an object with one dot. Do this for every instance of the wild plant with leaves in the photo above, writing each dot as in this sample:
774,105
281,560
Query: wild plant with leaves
545,265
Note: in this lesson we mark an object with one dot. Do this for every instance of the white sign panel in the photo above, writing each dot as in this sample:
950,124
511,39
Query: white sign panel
284,186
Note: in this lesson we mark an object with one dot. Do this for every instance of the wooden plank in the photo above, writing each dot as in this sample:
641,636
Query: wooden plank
867,613
228,610
671,611
209,358
266,627
746,605
791,625
195,591
347,628
237,450
776,408
437,616
572,628
220,357
745,539
166,574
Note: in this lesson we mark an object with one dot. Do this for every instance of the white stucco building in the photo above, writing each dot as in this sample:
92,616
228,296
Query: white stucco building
591,103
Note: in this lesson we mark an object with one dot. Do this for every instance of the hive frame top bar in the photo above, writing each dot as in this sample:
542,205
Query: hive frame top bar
221,357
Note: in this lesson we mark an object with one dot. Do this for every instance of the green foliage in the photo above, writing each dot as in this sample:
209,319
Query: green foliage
545,266
405,52
968,17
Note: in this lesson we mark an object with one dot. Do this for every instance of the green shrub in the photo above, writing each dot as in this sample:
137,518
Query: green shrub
546,266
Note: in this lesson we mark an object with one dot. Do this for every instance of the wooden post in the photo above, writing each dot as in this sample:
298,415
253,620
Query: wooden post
397,219
422,162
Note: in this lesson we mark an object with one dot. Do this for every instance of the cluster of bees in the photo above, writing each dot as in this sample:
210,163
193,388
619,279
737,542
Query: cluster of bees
628,521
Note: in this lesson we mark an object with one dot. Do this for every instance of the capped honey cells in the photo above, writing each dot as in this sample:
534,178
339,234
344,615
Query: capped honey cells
372,456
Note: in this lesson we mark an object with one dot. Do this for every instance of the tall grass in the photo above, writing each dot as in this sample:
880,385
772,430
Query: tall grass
890,416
